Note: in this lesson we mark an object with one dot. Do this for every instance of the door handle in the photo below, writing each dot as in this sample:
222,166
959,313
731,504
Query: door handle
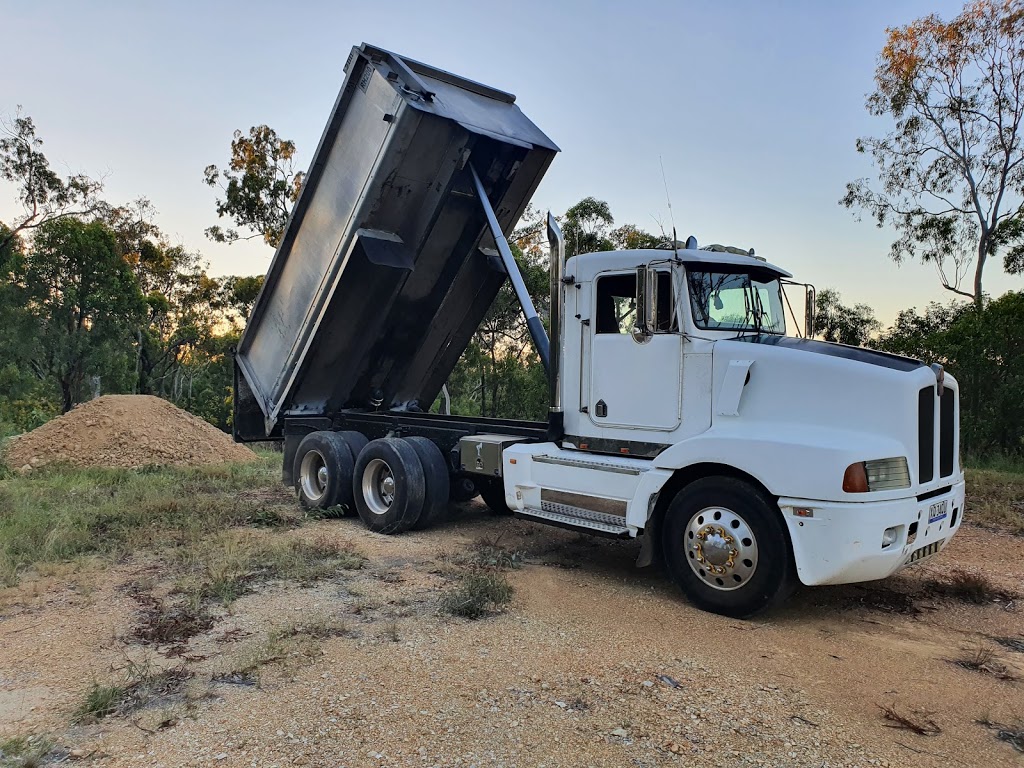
601,409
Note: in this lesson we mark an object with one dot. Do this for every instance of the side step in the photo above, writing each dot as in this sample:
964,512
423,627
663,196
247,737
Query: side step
578,518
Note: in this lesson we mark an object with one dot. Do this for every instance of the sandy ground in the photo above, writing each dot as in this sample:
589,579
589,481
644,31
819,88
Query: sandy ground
593,664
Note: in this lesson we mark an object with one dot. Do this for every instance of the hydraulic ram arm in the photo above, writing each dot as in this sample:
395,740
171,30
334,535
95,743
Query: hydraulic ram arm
533,323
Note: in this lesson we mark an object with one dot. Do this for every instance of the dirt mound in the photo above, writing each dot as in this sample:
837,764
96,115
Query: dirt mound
125,431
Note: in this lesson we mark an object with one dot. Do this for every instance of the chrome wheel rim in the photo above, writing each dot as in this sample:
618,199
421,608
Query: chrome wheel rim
378,486
313,476
720,548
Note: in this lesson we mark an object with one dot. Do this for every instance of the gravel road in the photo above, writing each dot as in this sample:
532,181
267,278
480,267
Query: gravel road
592,664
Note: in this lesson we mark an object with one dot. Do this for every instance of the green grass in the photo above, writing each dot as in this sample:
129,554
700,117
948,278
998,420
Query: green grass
201,520
25,752
59,514
100,701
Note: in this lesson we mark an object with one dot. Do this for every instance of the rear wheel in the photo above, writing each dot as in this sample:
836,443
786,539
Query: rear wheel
725,545
435,473
323,471
389,485
356,441
493,494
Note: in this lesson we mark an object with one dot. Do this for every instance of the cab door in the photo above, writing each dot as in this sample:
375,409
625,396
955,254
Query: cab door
635,382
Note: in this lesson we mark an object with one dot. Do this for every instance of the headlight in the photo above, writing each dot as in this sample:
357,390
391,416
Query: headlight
877,475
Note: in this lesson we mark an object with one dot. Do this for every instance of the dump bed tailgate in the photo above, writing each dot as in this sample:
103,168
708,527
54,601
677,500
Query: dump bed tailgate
384,272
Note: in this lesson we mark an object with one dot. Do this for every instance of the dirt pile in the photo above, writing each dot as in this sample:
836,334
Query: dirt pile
124,431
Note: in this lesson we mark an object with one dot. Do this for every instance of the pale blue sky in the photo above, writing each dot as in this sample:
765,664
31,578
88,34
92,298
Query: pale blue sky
754,107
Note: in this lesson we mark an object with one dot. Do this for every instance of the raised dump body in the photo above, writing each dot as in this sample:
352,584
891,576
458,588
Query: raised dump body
385,271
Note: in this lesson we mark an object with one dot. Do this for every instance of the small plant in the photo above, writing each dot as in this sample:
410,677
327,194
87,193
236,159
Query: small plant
983,660
100,701
391,632
478,595
489,553
141,687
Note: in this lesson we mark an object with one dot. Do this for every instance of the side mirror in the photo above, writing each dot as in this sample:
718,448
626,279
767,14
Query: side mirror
646,303
809,307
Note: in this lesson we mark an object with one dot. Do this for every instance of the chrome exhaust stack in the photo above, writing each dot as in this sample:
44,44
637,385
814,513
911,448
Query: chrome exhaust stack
556,418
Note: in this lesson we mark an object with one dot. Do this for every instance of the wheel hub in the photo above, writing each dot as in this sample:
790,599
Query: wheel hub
313,476
387,489
721,548
715,549
379,487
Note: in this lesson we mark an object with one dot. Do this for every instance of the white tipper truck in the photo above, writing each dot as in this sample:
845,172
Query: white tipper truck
681,413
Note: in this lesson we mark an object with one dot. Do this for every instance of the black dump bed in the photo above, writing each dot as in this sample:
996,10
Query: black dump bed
384,271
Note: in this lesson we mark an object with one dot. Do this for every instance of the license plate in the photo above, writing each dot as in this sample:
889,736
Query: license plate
938,511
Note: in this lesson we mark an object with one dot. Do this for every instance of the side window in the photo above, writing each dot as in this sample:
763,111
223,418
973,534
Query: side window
616,304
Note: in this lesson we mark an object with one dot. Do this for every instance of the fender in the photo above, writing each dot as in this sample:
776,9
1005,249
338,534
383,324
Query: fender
789,460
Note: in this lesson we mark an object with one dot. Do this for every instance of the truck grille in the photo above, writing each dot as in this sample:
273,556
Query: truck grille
947,432
926,434
946,410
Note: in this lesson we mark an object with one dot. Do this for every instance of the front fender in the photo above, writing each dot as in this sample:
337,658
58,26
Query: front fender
800,461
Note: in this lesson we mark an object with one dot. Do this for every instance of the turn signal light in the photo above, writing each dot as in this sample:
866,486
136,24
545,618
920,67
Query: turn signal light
877,475
855,479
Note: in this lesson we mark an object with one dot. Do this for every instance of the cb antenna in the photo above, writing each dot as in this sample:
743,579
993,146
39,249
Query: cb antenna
671,216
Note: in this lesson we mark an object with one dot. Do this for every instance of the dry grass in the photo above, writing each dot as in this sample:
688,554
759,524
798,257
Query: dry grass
995,499
227,565
140,687
920,723
983,660
288,646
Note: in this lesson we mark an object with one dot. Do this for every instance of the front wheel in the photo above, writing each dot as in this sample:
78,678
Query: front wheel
493,494
725,544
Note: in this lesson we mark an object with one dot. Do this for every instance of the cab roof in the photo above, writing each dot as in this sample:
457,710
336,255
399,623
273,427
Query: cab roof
602,260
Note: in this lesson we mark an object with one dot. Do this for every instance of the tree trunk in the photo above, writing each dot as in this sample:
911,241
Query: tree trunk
983,248
67,397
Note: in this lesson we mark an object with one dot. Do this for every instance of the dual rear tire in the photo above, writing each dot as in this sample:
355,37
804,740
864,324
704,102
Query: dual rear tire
393,484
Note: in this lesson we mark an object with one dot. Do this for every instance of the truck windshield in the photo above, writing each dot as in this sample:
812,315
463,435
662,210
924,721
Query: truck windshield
736,301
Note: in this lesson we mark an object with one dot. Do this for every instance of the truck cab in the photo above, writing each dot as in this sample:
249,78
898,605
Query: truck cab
746,458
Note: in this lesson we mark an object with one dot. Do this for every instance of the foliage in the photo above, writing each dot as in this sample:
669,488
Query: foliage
834,321
983,347
84,301
951,172
42,194
585,227
630,237
259,185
